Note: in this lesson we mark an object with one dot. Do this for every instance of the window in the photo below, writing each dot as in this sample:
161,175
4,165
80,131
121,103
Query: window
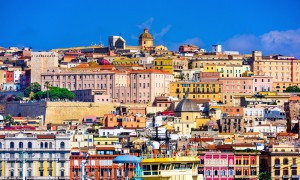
62,145
223,173
11,173
50,145
12,145
0,145
42,145
21,145
231,172
216,173
29,145
277,172
46,145
285,161
207,172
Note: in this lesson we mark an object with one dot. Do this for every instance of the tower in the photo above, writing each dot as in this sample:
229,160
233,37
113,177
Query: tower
145,39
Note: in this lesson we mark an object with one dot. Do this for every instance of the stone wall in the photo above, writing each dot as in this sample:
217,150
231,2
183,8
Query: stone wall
56,112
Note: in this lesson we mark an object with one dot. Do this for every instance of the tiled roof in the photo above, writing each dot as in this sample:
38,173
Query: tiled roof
45,136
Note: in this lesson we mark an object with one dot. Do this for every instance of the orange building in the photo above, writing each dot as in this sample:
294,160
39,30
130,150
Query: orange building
100,164
233,110
127,121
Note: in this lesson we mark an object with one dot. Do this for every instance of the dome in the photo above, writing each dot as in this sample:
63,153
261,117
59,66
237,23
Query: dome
127,159
104,62
187,105
146,35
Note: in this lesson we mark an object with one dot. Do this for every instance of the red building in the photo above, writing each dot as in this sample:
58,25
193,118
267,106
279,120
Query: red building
9,77
100,164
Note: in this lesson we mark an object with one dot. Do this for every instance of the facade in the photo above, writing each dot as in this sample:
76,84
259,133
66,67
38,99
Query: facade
197,90
135,86
46,155
42,62
281,68
116,42
218,165
165,64
146,39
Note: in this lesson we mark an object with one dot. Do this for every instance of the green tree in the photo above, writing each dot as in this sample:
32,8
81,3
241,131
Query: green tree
55,93
292,89
33,87
264,176
47,85
19,97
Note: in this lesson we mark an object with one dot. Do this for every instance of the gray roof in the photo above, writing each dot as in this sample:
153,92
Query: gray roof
187,105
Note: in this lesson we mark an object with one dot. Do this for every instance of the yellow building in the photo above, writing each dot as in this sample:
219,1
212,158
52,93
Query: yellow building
125,61
210,68
281,86
146,39
165,64
197,90
186,113
105,140
284,161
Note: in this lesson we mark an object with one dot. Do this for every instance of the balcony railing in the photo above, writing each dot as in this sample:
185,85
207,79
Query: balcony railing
277,165
294,165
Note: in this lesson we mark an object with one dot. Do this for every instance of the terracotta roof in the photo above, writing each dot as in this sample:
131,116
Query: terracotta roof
105,148
224,147
150,71
285,134
243,145
201,139
45,136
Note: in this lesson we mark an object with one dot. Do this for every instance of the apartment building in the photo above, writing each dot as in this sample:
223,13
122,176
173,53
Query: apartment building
46,155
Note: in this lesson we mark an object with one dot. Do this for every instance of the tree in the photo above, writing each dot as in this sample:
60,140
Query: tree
33,87
292,89
47,85
19,97
55,93
264,176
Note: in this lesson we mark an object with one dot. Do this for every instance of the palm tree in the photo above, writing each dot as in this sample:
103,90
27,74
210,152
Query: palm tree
47,85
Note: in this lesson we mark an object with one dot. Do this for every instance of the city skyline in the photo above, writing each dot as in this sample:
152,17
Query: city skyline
242,26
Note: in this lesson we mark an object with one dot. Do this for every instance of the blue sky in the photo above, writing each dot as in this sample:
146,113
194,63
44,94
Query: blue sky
271,26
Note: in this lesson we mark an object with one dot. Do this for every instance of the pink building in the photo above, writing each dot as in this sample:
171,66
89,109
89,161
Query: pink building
262,83
237,85
126,86
218,165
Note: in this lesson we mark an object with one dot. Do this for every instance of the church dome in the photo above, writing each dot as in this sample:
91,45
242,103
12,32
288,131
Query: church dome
145,35
187,105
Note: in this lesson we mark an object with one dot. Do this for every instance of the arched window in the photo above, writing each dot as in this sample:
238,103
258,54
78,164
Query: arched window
62,145
285,161
207,172
223,173
42,145
12,145
216,172
20,145
46,145
282,150
277,161
253,161
0,145
50,145
29,145
230,172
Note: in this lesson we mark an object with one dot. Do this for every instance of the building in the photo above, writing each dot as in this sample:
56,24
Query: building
218,165
186,113
146,40
42,62
281,68
116,42
46,155
164,63
197,90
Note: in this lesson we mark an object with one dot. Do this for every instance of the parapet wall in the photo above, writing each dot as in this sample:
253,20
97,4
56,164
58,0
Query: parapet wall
56,112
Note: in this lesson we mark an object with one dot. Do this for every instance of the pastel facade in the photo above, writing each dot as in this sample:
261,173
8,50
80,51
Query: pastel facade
218,165
47,155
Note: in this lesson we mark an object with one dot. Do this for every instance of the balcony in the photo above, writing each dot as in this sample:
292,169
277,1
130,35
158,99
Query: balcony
285,176
277,166
50,168
295,176
41,168
294,165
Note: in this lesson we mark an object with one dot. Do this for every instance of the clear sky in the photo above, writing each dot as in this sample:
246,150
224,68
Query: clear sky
269,25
